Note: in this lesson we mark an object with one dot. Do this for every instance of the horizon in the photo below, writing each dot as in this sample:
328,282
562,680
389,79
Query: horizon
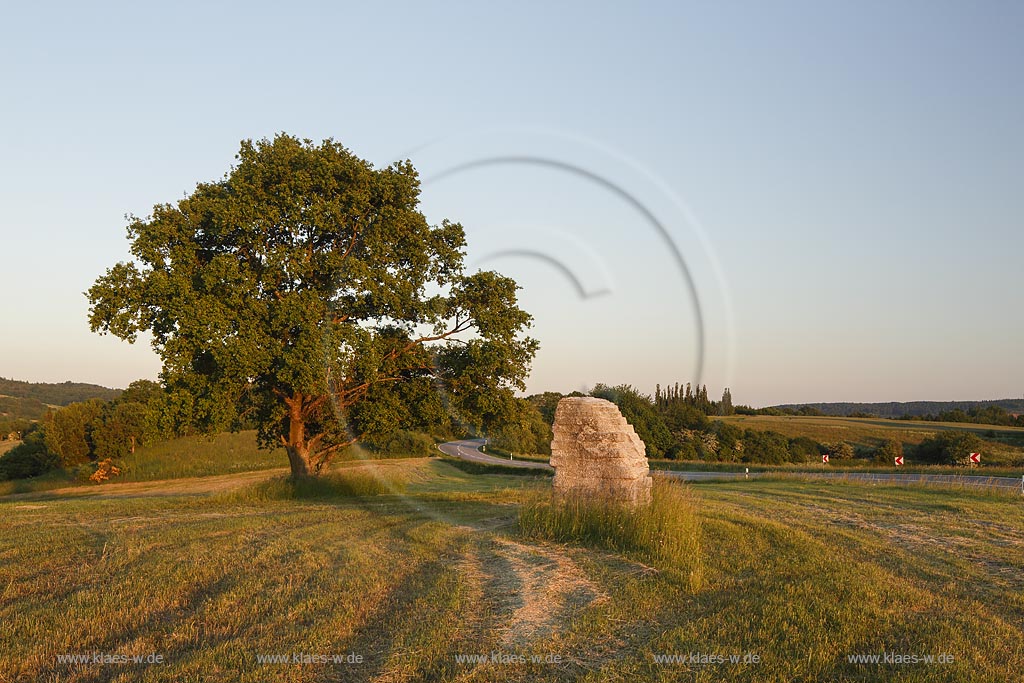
744,198
714,395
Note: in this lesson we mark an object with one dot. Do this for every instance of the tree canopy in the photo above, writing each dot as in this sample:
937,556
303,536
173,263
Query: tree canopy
301,288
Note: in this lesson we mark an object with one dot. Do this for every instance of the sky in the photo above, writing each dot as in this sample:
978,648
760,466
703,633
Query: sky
801,201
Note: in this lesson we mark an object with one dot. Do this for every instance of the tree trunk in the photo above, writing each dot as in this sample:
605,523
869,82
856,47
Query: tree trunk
297,447
298,458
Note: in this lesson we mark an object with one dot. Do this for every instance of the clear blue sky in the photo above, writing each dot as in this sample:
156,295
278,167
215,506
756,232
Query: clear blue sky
856,169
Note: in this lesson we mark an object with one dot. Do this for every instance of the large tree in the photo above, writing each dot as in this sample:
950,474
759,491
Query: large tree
305,283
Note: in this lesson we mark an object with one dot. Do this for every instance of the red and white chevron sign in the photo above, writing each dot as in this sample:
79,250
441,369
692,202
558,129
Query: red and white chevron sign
824,458
899,460
975,457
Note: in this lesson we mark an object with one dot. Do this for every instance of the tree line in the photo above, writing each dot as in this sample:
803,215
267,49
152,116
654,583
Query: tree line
56,394
1005,412
410,418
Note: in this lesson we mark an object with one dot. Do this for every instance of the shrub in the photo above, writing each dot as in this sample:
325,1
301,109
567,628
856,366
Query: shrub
105,469
639,411
665,533
28,459
68,432
839,450
889,451
949,448
804,449
766,447
402,443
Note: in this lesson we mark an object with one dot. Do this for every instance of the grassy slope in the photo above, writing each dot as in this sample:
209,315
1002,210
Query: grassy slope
1005,443
799,573
191,456
868,431
198,456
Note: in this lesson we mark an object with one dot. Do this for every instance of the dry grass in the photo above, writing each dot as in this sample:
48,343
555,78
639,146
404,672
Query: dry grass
802,573
665,533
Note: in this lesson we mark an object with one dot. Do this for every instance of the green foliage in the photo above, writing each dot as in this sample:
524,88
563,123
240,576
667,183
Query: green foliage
68,432
526,430
120,429
839,450
766,447
299,284
61,394
16,425
679,416
665,533
804,449
639,411
693,396
889,451
402,443
725,407
984,412
728,436
948,448
547,403
28,459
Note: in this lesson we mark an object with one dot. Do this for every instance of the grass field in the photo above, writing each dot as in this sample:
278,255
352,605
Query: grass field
1006,444
216,573
190,456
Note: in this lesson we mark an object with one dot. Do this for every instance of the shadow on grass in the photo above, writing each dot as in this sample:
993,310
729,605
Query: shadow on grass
479,468
324,488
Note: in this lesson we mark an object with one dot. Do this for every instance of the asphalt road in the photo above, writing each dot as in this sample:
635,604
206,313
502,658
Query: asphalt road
469,449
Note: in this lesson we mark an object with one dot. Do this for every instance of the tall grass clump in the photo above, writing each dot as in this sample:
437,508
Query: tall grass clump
665,533
350,484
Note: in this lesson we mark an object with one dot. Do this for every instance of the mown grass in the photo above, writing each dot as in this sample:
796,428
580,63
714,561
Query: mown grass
800,573
952,485
665,533
852,466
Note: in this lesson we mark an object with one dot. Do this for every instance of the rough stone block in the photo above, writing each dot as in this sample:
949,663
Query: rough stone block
596,453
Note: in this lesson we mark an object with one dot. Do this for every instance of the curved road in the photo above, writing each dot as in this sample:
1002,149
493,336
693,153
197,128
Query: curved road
469,449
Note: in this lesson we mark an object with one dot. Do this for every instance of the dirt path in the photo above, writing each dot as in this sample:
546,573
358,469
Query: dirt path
531,592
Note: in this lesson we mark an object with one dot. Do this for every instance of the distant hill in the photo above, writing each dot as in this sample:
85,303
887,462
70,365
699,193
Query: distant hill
12,408
912,408
55,394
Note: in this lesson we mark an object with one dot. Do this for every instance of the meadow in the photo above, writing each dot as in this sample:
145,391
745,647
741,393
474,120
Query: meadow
421,570
871,432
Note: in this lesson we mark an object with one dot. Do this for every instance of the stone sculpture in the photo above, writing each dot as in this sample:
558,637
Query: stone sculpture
597,454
